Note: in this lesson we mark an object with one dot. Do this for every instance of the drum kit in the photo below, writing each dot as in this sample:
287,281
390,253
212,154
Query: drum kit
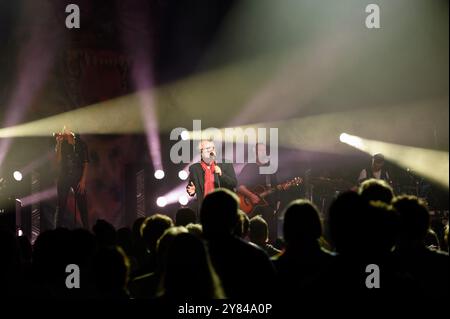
323,190
330,184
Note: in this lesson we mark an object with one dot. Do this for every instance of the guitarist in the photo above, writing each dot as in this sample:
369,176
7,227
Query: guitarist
249,178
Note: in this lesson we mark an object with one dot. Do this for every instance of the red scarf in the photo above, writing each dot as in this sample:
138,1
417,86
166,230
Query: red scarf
209,176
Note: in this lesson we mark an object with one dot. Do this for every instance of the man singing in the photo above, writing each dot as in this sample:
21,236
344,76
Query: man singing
207,174
72,158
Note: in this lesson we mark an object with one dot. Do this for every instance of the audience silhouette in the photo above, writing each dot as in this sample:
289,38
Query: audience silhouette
185,216
227,255
187,271
244,269
259,235
429,267
303,259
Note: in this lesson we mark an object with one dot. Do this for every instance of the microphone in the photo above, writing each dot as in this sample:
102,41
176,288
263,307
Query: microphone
213,156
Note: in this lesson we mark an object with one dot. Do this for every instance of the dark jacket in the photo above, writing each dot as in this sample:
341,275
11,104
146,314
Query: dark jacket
197,177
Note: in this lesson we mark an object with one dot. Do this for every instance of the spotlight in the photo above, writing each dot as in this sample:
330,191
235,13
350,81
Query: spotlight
352,140
159,174
161,201
183,175
183,200
429,163
184,135
17,176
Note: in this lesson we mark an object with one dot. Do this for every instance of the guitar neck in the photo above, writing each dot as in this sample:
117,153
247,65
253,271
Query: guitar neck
277,187
269,191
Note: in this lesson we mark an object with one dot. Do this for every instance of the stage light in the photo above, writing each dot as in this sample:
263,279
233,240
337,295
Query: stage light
17,176
31,73
19,232
183,175
159,174
161,201
183,200
184,135
351,140
431,164
46,194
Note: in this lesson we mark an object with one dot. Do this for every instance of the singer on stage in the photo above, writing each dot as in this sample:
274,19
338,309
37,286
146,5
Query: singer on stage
72,158
207,175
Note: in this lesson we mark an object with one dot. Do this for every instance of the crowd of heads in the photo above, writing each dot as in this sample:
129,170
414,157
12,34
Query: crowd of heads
221,253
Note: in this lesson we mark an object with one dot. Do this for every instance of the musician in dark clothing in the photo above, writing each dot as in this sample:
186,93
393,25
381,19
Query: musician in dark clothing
250,177
251,181
377,170
207,175
72,157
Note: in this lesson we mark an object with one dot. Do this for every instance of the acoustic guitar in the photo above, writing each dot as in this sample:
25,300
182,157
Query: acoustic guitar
262,192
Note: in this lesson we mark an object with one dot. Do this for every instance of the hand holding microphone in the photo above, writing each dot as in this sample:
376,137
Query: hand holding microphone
217,169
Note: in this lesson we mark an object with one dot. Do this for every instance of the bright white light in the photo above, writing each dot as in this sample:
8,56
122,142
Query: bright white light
183,175
183,200
161,201
159,174
184,135
17,176
351,140
19,232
